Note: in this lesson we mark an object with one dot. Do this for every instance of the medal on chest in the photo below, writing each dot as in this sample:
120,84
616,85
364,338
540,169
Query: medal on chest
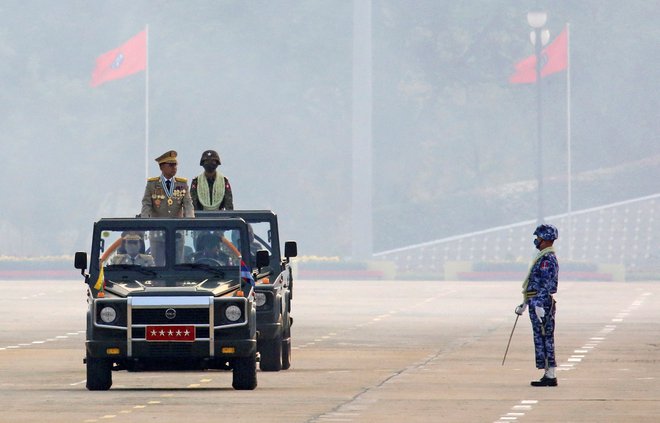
168,192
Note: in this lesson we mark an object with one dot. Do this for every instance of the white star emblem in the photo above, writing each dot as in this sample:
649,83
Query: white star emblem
186,332
178,333
153,332
162,332
170,333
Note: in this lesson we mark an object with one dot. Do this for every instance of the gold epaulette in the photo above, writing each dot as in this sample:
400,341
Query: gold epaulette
155,178
176,178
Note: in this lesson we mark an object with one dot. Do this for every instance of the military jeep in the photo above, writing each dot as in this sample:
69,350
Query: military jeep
170,294
274,284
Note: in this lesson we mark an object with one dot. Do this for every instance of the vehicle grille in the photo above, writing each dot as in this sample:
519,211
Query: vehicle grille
184,316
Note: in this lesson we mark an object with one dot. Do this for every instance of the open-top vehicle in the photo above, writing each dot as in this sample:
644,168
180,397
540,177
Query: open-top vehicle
274,285
170,294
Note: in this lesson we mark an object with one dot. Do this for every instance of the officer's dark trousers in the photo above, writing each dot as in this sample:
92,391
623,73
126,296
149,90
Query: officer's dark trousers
544,335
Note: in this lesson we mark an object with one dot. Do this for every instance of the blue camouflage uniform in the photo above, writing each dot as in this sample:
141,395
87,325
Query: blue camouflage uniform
543,279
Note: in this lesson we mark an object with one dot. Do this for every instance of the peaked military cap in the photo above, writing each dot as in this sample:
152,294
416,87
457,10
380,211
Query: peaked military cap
132,236
169,157
209,155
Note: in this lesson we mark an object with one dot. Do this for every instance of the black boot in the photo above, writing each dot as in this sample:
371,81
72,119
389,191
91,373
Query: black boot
545,381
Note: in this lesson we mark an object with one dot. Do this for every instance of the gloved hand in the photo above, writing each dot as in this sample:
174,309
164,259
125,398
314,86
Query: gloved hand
521,309
540,312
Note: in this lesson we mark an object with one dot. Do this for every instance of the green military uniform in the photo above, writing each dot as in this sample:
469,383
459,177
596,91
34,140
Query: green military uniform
226,201
139,260
211,190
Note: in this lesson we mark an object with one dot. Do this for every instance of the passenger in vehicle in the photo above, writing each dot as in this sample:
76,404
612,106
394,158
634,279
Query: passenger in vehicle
131,243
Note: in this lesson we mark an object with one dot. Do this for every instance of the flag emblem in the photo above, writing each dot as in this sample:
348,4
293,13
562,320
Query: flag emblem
118,61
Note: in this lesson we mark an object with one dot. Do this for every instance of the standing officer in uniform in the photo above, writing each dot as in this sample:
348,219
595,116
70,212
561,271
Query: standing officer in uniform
211,190
166,196
538,287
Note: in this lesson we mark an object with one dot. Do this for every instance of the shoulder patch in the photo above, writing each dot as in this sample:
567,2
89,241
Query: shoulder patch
178,179
155,178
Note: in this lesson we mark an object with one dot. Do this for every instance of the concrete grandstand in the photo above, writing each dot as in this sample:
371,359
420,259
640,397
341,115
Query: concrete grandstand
610,242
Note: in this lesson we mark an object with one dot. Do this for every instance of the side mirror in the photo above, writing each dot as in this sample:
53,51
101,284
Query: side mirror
263,259
80,260
290,249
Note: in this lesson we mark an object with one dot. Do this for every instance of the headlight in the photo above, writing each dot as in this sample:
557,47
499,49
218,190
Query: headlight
108,314
261,298
233,313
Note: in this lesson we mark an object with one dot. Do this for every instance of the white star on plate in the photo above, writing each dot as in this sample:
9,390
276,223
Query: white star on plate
186,332
153,333
162,332
178,333
170,333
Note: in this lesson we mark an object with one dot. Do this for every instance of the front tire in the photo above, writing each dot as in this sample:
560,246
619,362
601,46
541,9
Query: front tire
244,374
99,374
286,353
271,355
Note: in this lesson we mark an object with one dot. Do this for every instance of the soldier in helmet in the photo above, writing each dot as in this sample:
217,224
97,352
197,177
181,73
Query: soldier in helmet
211,190
131,245
167,195
538,288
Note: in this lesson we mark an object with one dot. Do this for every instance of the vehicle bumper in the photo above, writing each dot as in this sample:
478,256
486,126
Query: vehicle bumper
197,350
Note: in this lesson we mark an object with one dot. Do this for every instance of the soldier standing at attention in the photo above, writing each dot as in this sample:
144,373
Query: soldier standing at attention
538,287
166,196
211,190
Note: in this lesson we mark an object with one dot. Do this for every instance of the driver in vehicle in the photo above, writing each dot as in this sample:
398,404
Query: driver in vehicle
131,244
209,250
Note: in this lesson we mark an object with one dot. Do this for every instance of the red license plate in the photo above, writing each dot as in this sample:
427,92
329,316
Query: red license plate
171,333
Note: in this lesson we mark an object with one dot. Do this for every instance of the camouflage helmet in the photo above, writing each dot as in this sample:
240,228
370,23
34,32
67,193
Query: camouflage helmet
209,155
547,232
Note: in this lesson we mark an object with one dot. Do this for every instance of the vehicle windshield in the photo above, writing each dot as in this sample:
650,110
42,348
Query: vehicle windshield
145,249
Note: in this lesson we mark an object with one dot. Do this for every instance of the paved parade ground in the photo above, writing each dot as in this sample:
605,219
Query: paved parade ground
364,351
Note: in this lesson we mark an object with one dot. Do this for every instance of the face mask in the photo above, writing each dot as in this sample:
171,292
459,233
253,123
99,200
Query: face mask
537,243
210,167
132,248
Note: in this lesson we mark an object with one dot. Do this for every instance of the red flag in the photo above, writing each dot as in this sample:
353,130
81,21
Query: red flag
129,58
554,58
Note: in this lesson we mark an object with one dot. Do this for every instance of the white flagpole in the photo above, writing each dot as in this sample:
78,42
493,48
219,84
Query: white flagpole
568,141
146,108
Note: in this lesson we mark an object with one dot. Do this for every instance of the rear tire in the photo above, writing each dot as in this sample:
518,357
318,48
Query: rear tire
271,355
99,374
244,375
